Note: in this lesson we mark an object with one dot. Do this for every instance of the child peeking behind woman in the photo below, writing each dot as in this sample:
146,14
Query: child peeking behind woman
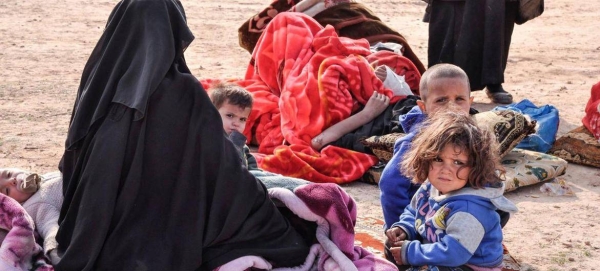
451,222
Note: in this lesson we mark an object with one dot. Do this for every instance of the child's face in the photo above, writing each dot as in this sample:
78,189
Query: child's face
448,172
11,181
234,117
447,93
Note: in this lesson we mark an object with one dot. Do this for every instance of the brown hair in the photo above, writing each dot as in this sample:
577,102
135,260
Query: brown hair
459,129
438,71
221,93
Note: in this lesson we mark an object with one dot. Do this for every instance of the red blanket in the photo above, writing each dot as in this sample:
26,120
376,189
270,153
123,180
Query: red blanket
591,120
305,78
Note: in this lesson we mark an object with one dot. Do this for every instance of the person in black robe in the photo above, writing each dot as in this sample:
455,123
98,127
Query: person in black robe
149,183
474,35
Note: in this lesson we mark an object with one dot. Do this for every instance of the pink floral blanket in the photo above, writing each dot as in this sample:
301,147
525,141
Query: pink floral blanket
19,250
334,212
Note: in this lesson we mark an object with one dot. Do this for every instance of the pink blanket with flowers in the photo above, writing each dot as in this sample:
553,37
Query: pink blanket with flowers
334,212
304,78
18,250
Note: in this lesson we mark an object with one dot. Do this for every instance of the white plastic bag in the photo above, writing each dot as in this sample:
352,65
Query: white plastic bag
557,188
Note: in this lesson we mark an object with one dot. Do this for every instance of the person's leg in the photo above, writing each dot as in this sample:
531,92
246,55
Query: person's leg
495,91
444,29
512,8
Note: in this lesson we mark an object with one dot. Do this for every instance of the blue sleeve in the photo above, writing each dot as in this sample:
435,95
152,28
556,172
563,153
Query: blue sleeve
407,220
396,189
446,252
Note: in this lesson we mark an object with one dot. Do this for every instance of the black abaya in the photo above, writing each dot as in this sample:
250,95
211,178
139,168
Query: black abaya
149,184
474,35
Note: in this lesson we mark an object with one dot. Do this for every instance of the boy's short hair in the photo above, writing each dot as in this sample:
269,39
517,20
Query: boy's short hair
443,70
230,93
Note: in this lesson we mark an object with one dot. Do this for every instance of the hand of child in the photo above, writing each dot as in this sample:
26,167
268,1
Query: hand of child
395,236
396,252
376,104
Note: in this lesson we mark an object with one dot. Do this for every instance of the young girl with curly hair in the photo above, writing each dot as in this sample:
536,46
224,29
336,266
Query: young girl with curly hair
451,222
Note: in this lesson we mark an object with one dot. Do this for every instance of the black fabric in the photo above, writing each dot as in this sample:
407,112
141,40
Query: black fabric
239,141
401,108
474,35
504,217
123,50
154,187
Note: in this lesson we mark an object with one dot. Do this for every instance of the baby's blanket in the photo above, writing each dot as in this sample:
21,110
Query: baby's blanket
18,250
334,213
305,78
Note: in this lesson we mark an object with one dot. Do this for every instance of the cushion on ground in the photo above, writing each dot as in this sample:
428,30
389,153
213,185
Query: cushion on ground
373,175
578,146
524,167
510,128
382,146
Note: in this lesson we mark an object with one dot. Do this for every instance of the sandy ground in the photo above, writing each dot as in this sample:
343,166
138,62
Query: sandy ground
555,59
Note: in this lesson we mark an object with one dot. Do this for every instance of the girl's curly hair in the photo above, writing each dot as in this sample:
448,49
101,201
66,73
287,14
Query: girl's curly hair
461,130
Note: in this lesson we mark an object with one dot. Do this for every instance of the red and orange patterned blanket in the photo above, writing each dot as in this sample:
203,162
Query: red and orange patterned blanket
305,78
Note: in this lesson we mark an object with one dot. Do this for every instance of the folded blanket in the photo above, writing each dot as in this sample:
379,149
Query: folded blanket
18,250
334,213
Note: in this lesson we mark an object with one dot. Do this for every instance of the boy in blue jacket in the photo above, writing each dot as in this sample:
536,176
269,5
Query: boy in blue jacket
443,87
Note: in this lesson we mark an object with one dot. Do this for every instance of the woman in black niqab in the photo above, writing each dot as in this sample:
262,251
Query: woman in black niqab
150,182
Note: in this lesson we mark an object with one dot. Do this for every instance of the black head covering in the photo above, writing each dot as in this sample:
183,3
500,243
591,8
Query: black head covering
129,61
148,182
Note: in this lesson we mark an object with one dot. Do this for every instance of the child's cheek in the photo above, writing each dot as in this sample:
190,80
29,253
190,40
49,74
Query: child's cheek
463,173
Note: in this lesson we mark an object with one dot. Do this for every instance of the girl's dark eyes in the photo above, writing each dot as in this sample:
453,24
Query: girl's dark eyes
456,162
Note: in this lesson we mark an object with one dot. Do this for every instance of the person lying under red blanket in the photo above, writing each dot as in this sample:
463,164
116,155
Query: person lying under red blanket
305,79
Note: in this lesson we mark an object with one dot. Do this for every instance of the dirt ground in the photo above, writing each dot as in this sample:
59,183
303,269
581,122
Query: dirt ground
555,59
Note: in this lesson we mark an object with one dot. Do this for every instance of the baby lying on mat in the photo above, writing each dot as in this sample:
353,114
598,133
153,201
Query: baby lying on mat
41,197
